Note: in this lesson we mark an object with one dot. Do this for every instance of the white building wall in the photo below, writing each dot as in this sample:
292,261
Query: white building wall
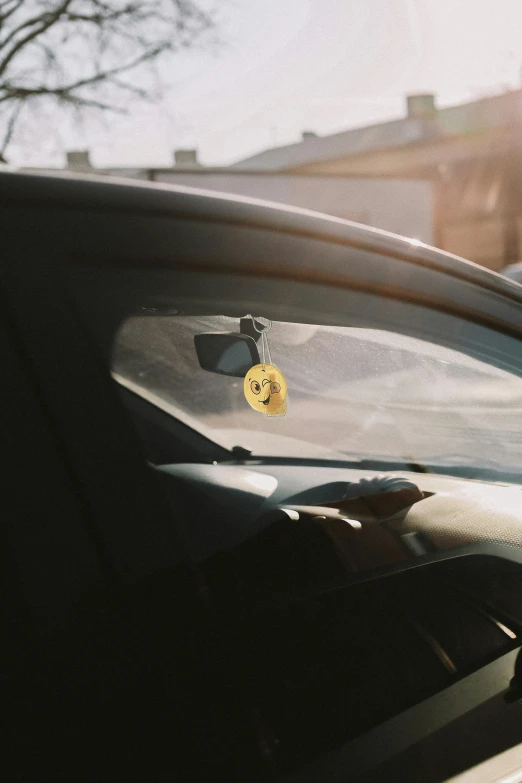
401,206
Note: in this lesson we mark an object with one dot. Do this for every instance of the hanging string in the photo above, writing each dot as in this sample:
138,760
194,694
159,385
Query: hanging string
265,348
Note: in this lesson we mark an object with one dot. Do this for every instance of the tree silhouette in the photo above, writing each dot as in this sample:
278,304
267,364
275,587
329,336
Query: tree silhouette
87,54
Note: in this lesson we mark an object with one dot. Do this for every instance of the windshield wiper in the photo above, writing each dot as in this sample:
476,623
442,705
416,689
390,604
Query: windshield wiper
491,473
245,456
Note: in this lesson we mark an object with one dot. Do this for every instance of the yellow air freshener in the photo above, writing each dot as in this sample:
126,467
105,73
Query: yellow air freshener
265,385
265,389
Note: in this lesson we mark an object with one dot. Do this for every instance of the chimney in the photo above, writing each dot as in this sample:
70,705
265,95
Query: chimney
186,158
307,135
420,106
78,160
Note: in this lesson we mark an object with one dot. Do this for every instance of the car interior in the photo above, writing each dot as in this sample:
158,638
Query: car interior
177,607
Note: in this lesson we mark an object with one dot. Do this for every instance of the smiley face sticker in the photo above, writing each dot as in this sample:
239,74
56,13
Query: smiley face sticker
265,389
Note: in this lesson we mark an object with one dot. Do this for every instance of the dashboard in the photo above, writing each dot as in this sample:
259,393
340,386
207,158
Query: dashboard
452,512
383,618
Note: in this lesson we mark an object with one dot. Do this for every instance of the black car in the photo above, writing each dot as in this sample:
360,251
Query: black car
194,590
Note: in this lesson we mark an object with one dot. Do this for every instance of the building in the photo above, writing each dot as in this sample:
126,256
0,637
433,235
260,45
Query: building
401,206
450,177
471,153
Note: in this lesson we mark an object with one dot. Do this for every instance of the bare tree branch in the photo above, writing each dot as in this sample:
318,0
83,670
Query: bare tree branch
83,53
22,92
64,91
46,21
8,8
10,128
81,103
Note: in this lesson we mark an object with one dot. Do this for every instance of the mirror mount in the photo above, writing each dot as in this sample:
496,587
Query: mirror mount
246,326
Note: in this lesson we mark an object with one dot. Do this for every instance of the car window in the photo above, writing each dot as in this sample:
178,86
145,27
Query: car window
352,393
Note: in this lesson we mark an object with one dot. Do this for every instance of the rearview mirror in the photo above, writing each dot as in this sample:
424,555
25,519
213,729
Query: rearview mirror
226,353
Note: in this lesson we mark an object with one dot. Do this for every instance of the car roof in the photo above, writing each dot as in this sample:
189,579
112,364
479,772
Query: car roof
106,194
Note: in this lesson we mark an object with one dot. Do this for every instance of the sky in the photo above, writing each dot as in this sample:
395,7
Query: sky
285,66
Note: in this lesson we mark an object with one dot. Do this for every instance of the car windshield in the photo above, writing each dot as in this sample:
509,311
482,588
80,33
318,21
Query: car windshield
353,394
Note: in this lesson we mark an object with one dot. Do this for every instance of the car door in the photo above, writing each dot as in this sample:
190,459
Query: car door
111,659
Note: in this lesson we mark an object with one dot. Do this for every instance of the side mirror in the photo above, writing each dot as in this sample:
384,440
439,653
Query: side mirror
226,353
